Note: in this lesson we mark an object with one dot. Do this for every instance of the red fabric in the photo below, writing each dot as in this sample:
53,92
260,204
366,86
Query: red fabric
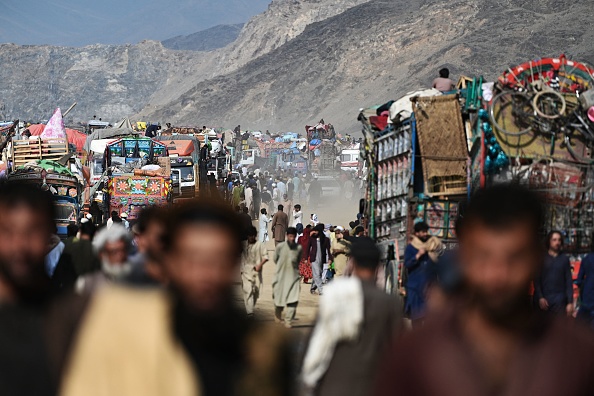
75,137
380,122
305,265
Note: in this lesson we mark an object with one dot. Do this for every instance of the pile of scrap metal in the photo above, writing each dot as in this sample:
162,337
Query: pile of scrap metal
428,151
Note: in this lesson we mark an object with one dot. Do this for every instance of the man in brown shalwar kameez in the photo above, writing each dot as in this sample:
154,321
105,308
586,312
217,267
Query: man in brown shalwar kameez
280,223
492,343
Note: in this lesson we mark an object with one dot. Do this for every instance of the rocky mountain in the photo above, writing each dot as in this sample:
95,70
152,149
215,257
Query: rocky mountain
108,81
205,40
299,61
378,51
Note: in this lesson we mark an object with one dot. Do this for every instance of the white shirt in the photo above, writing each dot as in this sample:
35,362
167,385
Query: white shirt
297,218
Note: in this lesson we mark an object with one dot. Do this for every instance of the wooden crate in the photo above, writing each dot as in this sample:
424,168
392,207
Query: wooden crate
24,151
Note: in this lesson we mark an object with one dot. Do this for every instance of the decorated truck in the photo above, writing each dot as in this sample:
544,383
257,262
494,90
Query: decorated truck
321,148
417,156
65,186
137,173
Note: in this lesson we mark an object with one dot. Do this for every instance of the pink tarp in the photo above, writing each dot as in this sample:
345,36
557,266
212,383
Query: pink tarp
75,137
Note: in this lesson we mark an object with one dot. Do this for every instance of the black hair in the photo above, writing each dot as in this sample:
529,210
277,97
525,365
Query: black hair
252,231
292,231
444,73
13,194
359,229
298,207
365,253
501,207
202,211
147,216
421,226
280,207
550,235
245,209
87,228
71,230
263,210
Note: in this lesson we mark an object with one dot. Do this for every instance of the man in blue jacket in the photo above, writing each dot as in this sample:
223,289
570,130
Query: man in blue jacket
585,282
419,265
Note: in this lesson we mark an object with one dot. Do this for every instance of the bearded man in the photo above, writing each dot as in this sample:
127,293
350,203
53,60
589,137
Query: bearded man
419,257
489,340
112,247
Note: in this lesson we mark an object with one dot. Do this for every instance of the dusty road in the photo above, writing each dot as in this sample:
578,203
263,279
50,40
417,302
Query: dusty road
338,214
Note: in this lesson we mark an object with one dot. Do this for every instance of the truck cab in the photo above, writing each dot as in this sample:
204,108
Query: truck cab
183,177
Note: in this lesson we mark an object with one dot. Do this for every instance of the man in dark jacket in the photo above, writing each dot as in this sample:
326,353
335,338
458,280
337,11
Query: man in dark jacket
319,254
78,258
553,287
491,342
382,320
26,224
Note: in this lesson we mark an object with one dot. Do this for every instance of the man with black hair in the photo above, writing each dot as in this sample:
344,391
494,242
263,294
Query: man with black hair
147,267
318,252
78,259
246,221
280,224
553,287
491,342
200,342
419,257
367,320
286,287
26,224
443,82
253,258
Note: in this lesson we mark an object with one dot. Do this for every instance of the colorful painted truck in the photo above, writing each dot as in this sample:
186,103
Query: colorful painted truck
138,174
65,187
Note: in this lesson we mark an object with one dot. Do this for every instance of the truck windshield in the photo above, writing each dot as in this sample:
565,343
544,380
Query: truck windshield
65,212
187,173
97,166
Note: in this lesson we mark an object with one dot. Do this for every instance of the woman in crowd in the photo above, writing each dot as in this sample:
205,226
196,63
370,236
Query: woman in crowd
305,265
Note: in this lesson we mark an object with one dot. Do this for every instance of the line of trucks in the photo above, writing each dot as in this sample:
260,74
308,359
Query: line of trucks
119,171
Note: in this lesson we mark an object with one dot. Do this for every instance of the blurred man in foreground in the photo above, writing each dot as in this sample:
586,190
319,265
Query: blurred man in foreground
492,342
355,324
26,224
193,340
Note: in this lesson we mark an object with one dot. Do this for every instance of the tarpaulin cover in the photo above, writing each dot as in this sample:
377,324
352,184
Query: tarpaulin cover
74,137
442,139
108,133
183,148
403,108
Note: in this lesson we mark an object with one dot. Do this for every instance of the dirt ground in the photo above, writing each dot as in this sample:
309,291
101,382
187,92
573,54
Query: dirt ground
337,214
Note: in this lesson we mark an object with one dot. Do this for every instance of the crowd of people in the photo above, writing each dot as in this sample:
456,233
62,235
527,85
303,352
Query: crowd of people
151,310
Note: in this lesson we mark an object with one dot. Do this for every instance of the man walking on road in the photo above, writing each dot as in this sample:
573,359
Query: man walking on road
253,258
553,287
318,252
280,223
356,322
285,288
